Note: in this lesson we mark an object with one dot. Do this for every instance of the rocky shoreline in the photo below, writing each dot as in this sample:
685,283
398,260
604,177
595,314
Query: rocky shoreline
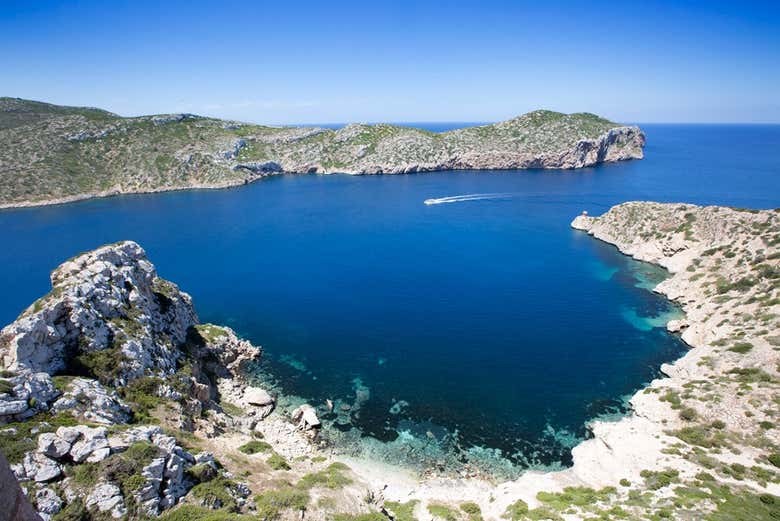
112,367
59,154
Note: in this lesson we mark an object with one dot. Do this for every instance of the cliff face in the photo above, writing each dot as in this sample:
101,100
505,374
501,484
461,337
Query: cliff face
50,153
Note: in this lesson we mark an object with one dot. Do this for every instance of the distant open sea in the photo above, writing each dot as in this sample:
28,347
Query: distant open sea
481,330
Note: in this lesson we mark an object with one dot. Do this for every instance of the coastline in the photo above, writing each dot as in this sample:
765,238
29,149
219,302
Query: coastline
619,450
243,182
709,416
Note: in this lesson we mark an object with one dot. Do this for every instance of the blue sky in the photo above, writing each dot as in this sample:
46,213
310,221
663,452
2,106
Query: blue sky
292,62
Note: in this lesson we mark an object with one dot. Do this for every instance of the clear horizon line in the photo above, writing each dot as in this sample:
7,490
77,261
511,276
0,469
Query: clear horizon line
464,122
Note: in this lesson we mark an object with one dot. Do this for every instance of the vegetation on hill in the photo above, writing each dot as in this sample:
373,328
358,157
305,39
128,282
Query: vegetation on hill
52,153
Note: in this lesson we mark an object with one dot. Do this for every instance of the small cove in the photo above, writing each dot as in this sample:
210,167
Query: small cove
484,331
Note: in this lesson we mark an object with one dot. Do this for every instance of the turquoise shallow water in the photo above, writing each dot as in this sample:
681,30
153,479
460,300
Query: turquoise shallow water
481,329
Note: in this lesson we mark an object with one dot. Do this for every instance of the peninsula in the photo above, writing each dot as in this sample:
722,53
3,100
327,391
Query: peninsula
53,154
118,403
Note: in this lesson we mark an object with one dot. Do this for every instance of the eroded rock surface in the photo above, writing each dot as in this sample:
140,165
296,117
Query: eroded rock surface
107,301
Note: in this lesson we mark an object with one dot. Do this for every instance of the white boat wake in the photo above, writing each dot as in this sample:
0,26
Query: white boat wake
467,197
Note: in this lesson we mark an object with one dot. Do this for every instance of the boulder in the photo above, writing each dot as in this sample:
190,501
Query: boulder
12,407
69,434
306,417
107,497
37,467
47,502
15,504
257,397
52,445
29,393
92,443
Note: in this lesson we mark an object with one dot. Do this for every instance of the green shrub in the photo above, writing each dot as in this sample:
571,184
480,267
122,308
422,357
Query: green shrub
774,459
688,414
373,516
6,387
741,347
574,496
104,365
473,510
402,511
277,462
231,409
141,395
656,480
443,512
197,513
699,435
73,511
202,472
254,446
216,493
331,477
271,503
749,375
516,511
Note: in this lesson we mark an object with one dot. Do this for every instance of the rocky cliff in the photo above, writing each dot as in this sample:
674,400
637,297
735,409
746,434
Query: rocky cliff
52,154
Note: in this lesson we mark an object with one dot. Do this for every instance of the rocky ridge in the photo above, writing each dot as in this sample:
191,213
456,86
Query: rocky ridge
54,154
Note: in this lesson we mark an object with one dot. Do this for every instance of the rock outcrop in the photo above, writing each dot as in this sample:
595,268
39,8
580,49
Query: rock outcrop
88,399
119,340
25,393
107,301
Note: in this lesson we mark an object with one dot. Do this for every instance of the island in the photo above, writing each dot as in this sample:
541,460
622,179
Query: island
54,154
116,402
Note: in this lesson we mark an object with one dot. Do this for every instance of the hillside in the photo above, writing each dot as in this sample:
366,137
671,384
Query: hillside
51,153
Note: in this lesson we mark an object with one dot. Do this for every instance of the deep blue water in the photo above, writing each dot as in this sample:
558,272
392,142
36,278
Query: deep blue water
492,319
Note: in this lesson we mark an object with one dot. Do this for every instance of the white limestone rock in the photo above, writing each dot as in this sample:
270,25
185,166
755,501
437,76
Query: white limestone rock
306,417
89,399
97,298
107,497
30,393
47,502
257,396
37,467
52,445
93,443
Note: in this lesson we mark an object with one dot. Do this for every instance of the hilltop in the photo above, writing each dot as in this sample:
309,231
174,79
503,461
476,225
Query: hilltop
53,153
